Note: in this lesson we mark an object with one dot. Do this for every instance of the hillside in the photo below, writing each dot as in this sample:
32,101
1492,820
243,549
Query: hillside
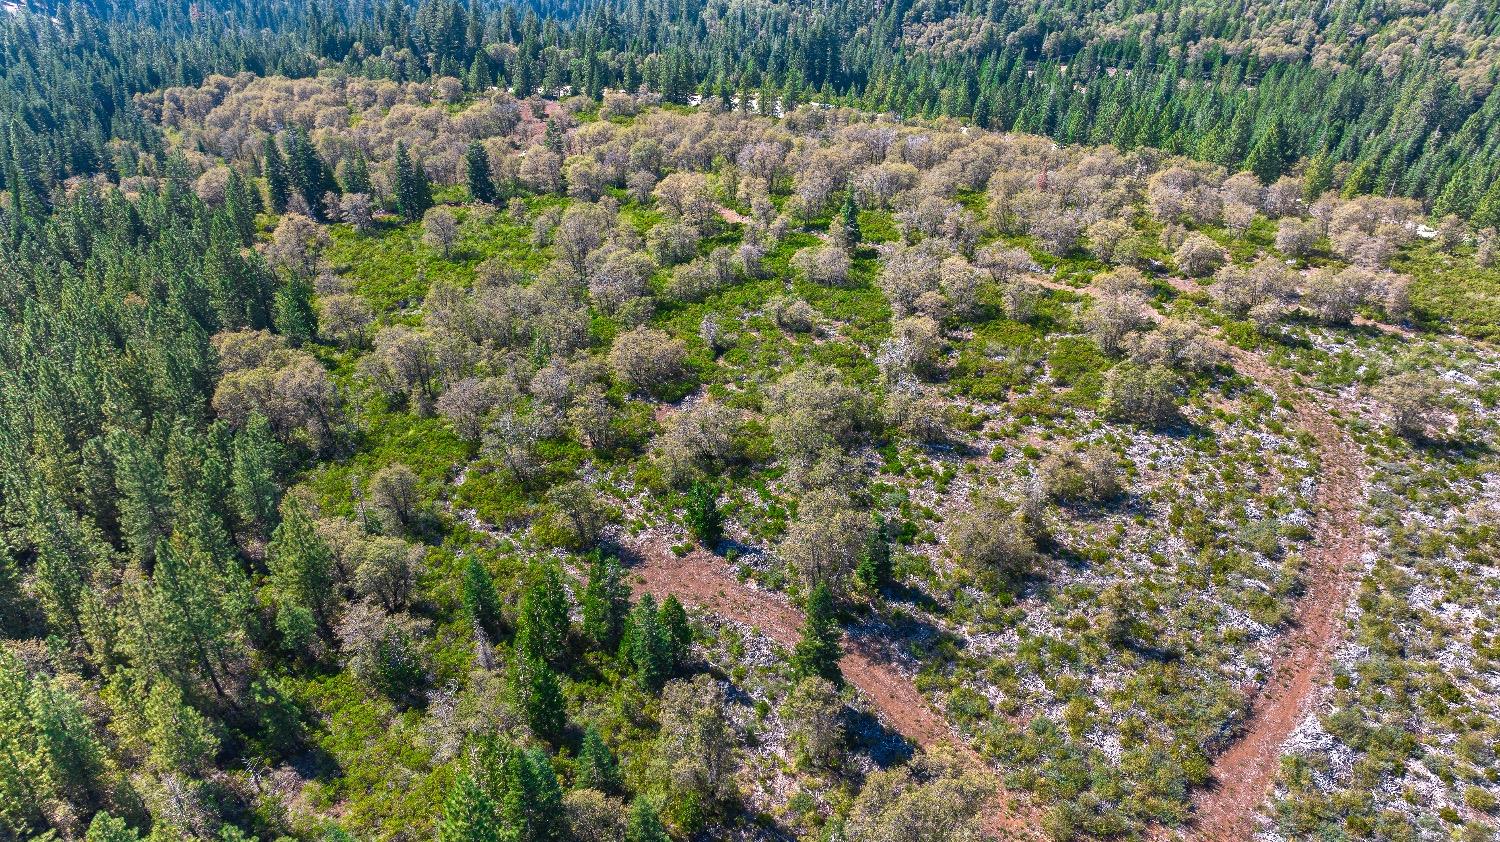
386,460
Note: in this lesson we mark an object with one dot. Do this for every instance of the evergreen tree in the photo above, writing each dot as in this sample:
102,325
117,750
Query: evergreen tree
701,510
596,766
413,193
294,316
644,825
480,600
278,179
469,814
477,172
300,581
1268,158
254,476
606,602
306,172
543,627
849,218
538,697
673,621
874,569
1318,177
533,807
817,653
648,648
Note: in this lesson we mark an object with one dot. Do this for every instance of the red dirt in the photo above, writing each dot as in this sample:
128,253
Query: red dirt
1243,775
700,580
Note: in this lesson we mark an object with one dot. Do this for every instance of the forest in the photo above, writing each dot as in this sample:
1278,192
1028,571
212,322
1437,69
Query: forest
847,422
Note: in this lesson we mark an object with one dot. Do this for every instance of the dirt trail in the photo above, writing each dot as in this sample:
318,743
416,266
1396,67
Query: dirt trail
1243,775
700,580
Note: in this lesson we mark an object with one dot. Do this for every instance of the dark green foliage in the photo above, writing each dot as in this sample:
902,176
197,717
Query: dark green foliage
673,620
644,825
306,172
278,177
701,511
648,646
294,315
596,766
253,474
849,219
542,631
300,584
537,695
818,652
469,814
413,193
532,807
477,174
605,603
479,598
874,569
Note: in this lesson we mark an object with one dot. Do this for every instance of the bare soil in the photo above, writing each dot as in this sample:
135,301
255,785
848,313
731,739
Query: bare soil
701,580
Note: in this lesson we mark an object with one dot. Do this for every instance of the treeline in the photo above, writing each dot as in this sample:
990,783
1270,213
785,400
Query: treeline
1259,89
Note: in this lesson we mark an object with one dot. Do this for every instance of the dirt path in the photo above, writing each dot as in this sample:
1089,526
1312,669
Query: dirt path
701,580
1243,775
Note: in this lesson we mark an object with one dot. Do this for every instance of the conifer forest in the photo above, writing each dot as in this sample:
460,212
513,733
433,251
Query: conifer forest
752,420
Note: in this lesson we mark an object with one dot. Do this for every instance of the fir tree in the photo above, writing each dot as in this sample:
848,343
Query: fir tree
294,316
278,179
413,193
543,628
480,600
644,825
849,218
673,621
596,766
606,602
647,646
253,476
701,510
300,577
874,569
477,171
817,653
469,814
538,697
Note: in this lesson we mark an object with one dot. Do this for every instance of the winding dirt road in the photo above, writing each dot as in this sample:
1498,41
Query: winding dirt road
700,580
1243,775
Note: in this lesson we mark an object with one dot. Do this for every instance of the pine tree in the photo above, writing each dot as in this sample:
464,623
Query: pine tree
477,171
849,218
701,511
294,316
647,646
817,653
278,179
538,697
306,172
674,625
301,577
606,602
543,628
1318,177
596,766
469,814
874,569
479,598
532,806
413,193
254,476
644,825
1268,158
